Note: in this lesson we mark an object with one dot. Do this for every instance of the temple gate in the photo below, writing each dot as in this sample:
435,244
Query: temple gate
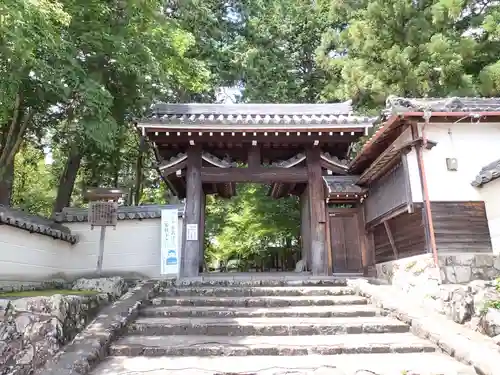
299,149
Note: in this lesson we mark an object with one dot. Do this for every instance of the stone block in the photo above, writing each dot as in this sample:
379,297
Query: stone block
484,260
458,274
115,286
462,260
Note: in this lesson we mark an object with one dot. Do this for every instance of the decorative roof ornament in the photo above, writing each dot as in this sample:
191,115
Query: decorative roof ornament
487,174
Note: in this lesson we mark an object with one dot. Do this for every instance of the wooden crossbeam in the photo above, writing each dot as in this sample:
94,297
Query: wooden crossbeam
257,175
391,239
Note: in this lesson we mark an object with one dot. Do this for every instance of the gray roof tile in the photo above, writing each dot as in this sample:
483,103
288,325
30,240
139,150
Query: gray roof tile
396,104
71,214
487,174
342,184
256,114
36,224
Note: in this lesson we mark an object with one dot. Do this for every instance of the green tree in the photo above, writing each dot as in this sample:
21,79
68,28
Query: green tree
33,56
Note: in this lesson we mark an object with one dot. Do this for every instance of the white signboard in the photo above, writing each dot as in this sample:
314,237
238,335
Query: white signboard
170,257
191,232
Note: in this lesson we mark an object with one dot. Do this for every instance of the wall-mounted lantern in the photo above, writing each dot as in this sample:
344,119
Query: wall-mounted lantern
103,212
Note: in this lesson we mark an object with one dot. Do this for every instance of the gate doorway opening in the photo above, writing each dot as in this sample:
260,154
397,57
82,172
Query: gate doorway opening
252,232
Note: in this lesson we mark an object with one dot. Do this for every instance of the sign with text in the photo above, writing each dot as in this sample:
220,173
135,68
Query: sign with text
191,232
170,261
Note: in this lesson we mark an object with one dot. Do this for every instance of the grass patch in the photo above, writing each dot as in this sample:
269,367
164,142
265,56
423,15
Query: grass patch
47,293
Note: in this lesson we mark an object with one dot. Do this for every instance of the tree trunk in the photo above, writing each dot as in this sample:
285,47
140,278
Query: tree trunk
67,180
6,185
138,178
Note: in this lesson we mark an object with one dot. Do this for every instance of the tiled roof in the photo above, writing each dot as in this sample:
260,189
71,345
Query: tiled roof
342,184
399,106
487,174
35,224
256,114
69,215
455,104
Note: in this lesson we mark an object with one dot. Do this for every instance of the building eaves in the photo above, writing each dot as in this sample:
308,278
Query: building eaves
255,114
36,224
487,174
69,215
342,185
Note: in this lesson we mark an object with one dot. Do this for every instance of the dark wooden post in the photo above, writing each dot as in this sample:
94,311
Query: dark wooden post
317,208
191,247
254,157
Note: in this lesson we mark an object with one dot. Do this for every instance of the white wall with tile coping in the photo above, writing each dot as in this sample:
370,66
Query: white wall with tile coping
132,249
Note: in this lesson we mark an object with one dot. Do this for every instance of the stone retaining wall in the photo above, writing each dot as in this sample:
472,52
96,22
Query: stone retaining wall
33,329
461,287
452,269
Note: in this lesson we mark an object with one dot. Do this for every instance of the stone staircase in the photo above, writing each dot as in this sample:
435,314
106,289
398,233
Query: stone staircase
296,327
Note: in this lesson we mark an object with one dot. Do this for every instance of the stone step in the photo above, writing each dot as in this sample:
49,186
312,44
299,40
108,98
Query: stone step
267,301
344,364
265,326
154,346
259,291
270,281
246,312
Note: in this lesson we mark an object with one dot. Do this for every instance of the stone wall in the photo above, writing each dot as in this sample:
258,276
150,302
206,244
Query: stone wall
452,269
476,305
33,329
464,268
462,287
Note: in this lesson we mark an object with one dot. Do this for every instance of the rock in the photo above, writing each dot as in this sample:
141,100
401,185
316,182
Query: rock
460,307
491,322
114,286
300,266
496,339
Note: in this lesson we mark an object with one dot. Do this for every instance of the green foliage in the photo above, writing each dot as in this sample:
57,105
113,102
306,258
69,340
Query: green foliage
33,190
249,224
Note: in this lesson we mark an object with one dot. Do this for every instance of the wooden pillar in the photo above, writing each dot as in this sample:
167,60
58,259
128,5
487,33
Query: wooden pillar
319,264
254,157
192,219
367,251
305,228
202,231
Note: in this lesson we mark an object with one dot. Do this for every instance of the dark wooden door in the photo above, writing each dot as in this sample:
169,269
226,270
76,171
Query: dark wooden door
345,240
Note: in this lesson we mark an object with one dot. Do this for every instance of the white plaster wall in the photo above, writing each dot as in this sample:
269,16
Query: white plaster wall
473,144
133,248
29,256
491,195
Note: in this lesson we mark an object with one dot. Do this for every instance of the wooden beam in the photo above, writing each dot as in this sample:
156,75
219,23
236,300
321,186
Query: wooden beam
174,168
387,216
254,157
191,247
319,264
302,138
257,175
391,239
